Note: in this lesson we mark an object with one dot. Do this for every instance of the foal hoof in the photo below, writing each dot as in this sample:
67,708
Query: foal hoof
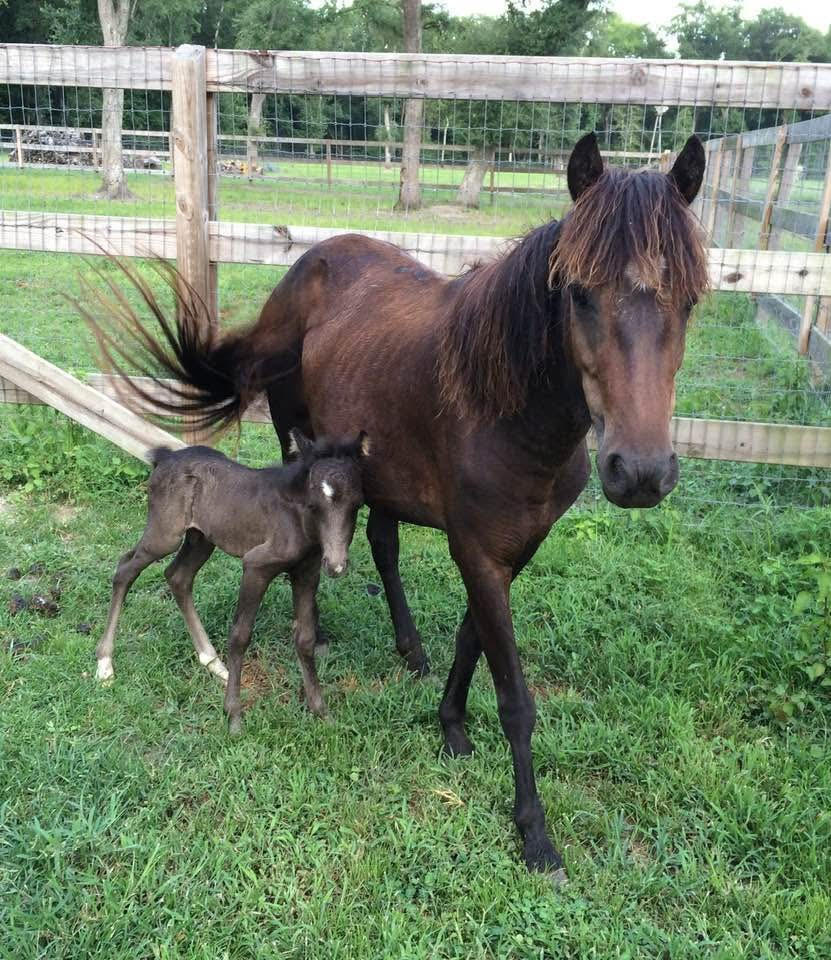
419,666
234,726
104,673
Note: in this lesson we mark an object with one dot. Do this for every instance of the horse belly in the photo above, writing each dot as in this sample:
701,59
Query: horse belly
357,378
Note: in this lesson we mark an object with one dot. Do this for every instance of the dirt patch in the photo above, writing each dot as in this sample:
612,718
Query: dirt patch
65,513
258,681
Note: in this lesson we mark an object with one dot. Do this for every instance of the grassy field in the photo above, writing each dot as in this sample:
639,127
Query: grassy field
661,648
682,742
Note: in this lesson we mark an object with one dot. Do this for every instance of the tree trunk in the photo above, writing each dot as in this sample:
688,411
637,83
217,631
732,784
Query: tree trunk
114,16
255,119
388,127
409,196
481,160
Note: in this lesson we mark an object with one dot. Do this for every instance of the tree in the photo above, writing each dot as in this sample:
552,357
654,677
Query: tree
409,196
115,18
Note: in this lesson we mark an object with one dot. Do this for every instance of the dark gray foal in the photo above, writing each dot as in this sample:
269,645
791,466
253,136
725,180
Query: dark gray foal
288,519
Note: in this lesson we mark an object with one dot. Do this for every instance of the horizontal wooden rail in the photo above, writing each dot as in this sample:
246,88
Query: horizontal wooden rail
746,271
745,441
98,411
799,86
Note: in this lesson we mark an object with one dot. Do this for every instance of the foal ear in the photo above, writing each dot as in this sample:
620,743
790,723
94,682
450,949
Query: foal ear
299,443
688,170
585,165
363,446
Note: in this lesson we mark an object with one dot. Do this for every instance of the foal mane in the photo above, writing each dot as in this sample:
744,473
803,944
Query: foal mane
497,338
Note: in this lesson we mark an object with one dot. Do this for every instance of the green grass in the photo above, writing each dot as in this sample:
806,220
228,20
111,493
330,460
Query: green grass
692,823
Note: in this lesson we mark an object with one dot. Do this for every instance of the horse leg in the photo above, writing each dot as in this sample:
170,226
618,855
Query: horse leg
488,586
382,533
454,701
192,556
149,549
258,570
304,583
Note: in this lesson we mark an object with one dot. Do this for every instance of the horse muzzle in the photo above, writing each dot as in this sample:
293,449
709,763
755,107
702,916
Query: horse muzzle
633,480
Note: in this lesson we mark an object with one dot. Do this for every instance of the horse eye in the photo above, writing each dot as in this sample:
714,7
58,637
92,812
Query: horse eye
579,295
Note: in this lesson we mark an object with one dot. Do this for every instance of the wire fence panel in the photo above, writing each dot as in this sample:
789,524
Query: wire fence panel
299,146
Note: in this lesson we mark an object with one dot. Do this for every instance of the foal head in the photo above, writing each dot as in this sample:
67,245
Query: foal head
334,493
631,264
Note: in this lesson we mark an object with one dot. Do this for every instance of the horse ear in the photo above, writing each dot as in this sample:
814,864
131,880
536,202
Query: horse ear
298,442
585,165
688,170
363,447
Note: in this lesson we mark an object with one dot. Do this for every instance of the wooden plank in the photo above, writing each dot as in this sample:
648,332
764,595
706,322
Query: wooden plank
746,271
805,131
738,165
19,145
80,402
212,147
789,319
692,437
752,442
800,86
87,233
137,68
545,79
782,218
774,179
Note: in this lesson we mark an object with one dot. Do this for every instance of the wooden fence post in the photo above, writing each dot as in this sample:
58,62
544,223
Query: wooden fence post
738,164
18,139
820,244
715,165
789,169
329,164
213,185
189,140
774,180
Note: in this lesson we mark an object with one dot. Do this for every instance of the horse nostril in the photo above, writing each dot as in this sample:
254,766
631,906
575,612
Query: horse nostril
615,467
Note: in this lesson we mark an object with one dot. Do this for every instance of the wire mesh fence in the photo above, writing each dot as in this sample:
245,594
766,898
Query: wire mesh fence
311,144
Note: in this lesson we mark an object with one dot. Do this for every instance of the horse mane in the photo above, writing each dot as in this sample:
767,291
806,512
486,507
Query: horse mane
497,337
638,220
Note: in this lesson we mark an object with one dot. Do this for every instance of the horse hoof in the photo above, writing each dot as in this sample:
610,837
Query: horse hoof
234,726
541,857
321,648
419,667
559,879
457,745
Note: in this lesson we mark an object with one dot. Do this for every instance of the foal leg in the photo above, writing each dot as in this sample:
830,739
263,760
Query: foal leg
258,570
192,556
149,549
488,585
304,583
382,533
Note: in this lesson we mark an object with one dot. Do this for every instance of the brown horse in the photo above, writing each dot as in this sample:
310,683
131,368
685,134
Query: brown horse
478,393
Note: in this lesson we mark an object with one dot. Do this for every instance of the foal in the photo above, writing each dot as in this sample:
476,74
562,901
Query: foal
287,519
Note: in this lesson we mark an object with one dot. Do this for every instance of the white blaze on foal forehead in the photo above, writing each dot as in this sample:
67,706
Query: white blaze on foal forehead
328,490
634,276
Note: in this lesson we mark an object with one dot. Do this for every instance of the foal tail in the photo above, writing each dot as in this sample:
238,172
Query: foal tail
214,376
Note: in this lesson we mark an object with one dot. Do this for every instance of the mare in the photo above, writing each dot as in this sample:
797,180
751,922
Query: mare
478,392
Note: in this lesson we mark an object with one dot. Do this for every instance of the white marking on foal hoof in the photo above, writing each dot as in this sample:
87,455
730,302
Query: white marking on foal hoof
105,671
215,665
559,879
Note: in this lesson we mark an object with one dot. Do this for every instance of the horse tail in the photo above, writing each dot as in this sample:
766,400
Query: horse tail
191,370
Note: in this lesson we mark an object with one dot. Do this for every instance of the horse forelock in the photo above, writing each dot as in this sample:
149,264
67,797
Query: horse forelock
634,226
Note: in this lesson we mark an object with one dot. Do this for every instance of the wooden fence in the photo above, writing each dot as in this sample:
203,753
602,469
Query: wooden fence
725,204
200,240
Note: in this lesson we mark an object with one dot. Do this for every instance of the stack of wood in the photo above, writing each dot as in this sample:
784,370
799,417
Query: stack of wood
241,167
61,147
